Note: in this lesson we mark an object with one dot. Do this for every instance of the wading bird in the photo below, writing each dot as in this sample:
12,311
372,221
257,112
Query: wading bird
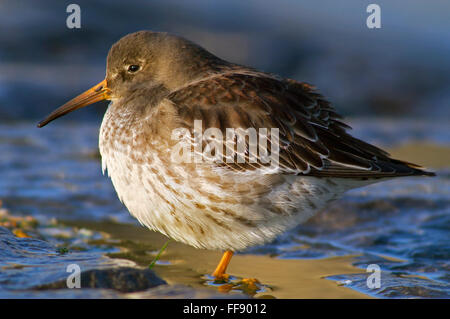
158,82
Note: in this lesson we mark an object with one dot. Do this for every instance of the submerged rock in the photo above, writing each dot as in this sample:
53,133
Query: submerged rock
123,279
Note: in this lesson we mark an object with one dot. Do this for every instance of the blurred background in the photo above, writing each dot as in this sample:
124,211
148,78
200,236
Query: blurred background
392,84
401,69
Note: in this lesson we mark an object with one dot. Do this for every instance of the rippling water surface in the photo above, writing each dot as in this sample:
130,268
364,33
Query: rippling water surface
54,174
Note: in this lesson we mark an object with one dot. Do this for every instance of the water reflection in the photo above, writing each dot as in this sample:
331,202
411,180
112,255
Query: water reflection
54,174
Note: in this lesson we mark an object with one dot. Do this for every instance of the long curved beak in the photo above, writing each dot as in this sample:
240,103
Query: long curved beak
97,93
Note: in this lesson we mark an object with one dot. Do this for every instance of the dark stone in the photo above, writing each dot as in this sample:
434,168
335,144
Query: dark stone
124,279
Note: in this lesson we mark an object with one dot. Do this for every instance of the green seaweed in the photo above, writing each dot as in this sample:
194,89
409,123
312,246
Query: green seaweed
159,254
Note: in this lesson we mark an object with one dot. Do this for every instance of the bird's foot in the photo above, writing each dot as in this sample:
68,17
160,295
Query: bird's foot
226,284
249,286
221,278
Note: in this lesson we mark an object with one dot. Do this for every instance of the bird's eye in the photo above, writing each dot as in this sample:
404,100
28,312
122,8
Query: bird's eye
133,68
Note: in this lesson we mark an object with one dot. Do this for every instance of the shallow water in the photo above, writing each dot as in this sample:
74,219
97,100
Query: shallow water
54,176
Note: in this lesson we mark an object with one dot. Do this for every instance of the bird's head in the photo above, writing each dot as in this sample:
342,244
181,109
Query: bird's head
143,60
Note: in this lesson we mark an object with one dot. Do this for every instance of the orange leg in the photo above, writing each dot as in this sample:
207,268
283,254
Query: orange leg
222,266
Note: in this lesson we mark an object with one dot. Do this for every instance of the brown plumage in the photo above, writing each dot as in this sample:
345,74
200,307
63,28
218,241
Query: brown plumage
158,82
314,141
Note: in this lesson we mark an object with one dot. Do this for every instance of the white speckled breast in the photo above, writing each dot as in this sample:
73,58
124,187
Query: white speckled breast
198,205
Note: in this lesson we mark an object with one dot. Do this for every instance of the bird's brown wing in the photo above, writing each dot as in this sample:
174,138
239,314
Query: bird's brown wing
312,138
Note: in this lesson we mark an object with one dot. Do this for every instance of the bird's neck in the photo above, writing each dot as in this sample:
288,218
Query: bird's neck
182,70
